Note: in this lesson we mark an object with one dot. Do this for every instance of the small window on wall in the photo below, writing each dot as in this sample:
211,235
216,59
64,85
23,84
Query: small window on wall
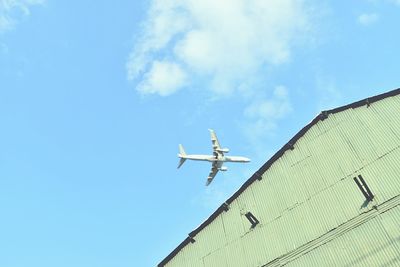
362,185
252,219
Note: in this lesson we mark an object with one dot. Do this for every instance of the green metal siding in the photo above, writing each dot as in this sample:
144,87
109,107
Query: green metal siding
374,243
308,193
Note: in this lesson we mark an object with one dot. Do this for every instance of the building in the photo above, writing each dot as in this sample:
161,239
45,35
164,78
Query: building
329,197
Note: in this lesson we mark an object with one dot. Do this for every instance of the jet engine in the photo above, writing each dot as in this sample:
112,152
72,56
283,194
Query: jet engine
223,150
224,169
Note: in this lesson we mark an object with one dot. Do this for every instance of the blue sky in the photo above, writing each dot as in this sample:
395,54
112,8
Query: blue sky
95,98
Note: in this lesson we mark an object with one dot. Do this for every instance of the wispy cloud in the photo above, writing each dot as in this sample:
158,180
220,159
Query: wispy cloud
396,2
367,19
220,190
225,42
164,78
12,10
266,111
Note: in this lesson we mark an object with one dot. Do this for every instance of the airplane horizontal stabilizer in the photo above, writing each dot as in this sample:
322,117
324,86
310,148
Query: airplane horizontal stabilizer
181,161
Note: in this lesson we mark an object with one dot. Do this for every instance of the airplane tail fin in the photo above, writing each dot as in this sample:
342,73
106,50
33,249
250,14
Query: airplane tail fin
181,150
181,155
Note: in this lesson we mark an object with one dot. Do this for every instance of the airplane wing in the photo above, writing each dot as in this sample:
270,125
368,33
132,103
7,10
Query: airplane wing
215,143
213,172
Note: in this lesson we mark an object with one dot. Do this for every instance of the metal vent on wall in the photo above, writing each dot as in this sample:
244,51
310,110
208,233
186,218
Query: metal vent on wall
362,185
252,219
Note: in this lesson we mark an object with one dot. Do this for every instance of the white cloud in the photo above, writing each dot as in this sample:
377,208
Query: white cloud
12,10
264,113
163,78
368,19
225,41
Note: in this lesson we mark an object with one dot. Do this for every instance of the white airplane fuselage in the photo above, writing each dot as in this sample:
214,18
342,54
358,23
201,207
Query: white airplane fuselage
212,158
217,160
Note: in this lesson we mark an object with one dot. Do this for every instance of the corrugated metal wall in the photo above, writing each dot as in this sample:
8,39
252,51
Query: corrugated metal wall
311,211
373,243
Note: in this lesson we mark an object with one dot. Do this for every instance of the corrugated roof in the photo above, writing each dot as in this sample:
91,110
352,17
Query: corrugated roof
290,146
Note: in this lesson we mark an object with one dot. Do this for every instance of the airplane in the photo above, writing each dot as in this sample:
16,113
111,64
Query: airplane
217,159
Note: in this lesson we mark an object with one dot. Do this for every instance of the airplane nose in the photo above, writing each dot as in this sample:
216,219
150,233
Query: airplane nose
246,159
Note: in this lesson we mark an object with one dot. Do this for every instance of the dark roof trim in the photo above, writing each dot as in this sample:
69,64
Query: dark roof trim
289,145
